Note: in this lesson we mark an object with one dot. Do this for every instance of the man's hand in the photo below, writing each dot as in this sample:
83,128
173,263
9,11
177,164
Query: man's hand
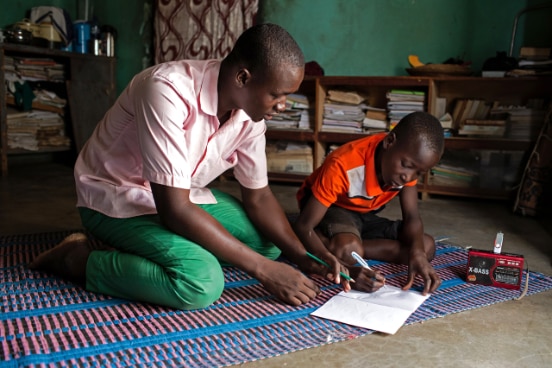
286,283
331,271
419,265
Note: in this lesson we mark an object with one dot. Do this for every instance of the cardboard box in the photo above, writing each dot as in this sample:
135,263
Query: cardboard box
535,53
301,164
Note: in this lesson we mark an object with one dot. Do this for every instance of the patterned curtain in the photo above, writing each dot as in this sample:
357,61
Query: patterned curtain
200,29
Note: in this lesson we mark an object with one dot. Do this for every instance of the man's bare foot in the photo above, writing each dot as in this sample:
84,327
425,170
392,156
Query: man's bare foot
67,259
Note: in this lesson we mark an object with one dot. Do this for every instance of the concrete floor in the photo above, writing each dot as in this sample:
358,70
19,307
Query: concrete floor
40,197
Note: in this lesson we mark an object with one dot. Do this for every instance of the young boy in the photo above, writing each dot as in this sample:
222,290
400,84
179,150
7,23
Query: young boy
141,183
340,200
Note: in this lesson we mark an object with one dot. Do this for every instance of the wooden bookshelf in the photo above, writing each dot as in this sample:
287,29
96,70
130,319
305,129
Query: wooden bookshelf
89,87
515,91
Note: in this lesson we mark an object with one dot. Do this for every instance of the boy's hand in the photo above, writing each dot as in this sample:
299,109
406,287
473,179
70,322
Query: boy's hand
419,265
366,280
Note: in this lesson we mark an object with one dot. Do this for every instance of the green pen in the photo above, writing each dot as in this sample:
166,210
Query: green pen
344,275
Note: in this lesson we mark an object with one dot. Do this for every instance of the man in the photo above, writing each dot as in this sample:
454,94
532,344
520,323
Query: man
141,183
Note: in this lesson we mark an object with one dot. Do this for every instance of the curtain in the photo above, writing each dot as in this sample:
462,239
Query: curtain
200,29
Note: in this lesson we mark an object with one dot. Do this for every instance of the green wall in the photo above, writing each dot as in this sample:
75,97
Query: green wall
348,37
375,37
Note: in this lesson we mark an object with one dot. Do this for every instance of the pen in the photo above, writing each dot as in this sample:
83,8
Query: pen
363,263
344,275
360,260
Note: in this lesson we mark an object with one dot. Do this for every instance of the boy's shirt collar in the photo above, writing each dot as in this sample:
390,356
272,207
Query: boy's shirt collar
373,188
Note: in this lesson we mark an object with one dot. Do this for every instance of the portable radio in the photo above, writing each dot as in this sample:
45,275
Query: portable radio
494,268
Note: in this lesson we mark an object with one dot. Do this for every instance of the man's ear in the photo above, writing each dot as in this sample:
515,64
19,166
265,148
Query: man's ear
242,77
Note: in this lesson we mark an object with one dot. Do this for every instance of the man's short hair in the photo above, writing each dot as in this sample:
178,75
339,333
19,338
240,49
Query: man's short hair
265,46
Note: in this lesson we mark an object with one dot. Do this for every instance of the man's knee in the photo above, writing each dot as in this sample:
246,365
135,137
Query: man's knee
200,291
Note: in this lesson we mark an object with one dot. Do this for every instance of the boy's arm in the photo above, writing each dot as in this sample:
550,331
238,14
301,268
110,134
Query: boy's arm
266,213
309,217
412,235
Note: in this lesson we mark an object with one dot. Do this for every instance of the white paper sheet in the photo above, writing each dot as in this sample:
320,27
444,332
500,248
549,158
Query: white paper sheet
385,310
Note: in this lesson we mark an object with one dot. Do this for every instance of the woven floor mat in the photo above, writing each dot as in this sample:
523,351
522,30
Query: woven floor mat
48,321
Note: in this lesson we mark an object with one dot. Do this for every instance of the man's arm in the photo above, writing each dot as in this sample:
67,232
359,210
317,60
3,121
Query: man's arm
183,217
267,214
412,235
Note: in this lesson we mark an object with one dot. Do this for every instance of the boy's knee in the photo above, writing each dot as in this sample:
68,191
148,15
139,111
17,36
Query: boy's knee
343,244
429,247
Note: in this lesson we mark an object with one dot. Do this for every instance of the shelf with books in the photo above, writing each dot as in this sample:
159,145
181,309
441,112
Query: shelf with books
441,96
60,98
471,170
490,143
336,137
486,120
290,136
373,99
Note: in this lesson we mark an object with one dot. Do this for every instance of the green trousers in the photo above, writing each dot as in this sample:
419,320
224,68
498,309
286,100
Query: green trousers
152,264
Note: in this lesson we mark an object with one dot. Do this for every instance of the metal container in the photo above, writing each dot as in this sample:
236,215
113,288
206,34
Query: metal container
96,46
108,35
18,35
108,41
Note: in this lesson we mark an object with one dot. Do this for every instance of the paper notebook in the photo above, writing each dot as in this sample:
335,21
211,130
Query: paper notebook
385,310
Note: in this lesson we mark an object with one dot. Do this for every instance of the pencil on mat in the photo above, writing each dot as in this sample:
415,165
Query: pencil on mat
344,275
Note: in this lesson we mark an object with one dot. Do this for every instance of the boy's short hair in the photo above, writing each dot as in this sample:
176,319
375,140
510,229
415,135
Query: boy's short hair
265,46
424,127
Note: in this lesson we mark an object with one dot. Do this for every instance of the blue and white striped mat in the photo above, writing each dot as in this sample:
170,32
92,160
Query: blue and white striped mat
46,321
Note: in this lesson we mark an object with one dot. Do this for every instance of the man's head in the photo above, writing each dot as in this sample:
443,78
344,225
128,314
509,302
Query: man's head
413,147
265,65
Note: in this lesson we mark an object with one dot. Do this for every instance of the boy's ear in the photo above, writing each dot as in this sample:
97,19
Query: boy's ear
389,140
242,77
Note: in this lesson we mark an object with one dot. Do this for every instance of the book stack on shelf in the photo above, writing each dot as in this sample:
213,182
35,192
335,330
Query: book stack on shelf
289,157
455,176
298,114
488,169
534,60
343,112
474,110
523,122
375,120
35,130
43,100
456,168
34,69
479,128
403,102
35,115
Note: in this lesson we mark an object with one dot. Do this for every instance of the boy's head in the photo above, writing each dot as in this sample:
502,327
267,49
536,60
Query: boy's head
265,65
414,146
